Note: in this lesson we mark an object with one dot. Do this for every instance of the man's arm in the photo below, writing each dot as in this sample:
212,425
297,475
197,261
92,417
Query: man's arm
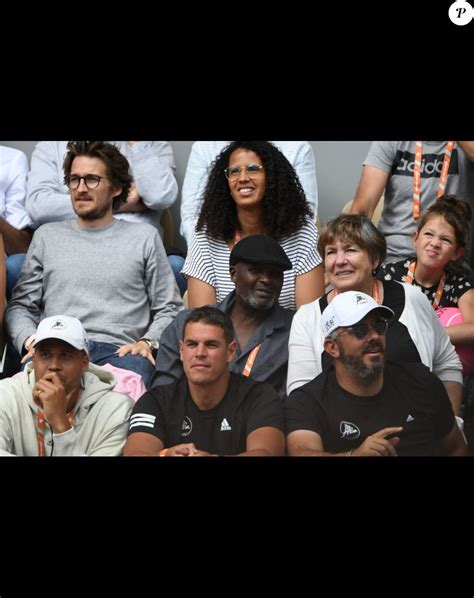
24,309
16,241
141,444
306,170
47,198
3,286
163,293
265,442
454,390
372,184
153,168
134,202
453,444
195,179
15,223
306,443
468,148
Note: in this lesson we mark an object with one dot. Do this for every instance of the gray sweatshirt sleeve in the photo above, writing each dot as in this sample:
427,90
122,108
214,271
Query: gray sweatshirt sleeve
47,198
163,294
24,309
154,168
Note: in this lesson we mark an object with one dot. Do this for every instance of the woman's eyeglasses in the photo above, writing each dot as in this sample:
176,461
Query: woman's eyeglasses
233,172
91,181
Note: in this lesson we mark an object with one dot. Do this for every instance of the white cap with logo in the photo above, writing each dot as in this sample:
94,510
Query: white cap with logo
64,328
349,308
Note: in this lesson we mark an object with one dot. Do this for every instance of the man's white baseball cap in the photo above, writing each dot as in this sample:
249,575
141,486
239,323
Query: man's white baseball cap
349,308
64,328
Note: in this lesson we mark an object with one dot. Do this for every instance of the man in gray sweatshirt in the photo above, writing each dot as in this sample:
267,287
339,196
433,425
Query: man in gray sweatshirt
111,274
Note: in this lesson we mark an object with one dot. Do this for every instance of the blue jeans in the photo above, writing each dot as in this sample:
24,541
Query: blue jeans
177,263
100,353
14,264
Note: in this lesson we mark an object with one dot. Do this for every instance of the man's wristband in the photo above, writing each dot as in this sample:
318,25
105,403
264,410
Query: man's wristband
153,345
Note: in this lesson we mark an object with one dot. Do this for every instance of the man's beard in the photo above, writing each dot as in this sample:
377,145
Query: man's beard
354,363
96,214
251,299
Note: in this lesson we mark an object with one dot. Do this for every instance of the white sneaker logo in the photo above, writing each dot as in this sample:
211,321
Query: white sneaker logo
225,425
410,418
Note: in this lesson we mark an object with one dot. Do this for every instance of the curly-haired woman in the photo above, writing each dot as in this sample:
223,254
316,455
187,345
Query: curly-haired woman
253,189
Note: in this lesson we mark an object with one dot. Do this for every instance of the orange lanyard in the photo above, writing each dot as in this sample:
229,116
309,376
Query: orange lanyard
250,361
253,353
410,277
375,292
40,428
417,175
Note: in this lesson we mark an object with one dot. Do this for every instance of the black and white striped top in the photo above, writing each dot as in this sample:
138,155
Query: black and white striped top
208,260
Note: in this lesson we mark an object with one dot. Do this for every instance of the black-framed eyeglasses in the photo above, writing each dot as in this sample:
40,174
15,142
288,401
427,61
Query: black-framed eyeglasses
361,330
253,170
91,181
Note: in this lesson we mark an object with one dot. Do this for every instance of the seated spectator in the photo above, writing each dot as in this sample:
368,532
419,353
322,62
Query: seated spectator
362,406
253,189
203,153
412,174
261,325
3,286
440,244
353,250
61,404
111,274
15,224
154,186
208,411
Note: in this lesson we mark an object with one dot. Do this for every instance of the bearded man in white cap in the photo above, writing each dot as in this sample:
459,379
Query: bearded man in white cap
61,404
362,406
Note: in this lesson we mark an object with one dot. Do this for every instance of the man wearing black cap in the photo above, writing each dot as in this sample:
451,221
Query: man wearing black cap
261,325
362,406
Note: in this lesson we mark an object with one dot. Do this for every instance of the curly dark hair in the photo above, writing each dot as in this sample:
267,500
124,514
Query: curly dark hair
118,168
284,204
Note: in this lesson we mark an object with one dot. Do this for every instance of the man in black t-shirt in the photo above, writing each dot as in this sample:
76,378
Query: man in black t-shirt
363,407
208,411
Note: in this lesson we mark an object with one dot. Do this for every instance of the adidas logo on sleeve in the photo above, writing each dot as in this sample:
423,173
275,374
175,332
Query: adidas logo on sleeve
142,419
